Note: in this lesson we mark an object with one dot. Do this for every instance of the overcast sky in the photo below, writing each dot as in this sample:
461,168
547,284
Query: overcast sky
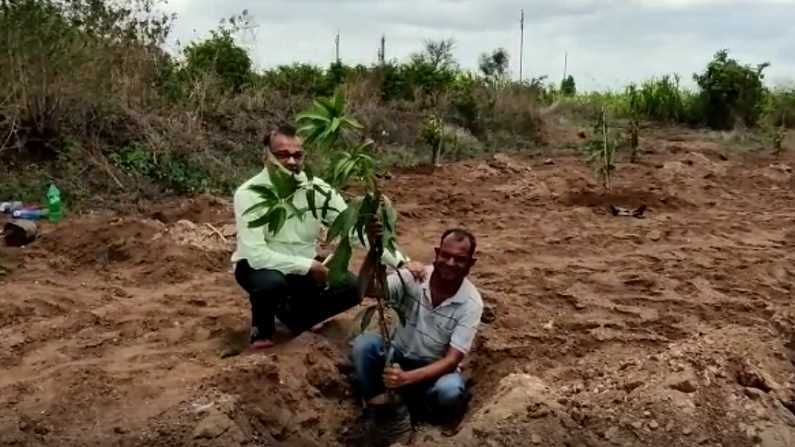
609,42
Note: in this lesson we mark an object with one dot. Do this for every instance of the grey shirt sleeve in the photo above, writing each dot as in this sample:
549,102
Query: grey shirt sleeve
466,328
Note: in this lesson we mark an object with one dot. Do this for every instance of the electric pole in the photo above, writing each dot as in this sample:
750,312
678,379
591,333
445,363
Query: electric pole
382,51
337,46
521,47
565,64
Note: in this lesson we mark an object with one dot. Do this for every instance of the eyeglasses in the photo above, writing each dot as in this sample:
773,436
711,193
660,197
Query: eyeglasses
284,156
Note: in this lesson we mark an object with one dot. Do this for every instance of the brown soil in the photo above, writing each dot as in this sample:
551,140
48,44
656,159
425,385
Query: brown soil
677,329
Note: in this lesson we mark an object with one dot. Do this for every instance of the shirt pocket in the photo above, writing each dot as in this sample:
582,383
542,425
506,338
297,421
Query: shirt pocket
445,326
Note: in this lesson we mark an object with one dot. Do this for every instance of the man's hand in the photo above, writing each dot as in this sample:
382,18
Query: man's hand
394,377
318,272
417,270
375,230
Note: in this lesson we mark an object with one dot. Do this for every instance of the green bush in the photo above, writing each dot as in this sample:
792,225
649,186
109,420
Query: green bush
659,99
731,92
176,172
781,108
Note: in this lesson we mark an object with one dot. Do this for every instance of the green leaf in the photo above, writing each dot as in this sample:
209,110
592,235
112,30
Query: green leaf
338,265
327,104
323,106
278,219
334,126
310,201
259,222
312,117
339,102
274,219
345,221
388,214
347,171
263,191
268,198
367,211
284,182
326,203
350,122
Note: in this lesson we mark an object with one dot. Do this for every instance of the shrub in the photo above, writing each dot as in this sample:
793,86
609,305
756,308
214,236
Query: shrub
781,107
731,92
66,64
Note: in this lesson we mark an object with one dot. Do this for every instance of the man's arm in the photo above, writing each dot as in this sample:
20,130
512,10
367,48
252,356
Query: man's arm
396,378
460,344
253,245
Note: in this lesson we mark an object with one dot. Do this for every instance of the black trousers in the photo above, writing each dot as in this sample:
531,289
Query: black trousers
299,301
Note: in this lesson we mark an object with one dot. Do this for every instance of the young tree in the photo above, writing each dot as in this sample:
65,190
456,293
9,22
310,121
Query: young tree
601,150
495,65
438,54
731,91
568,87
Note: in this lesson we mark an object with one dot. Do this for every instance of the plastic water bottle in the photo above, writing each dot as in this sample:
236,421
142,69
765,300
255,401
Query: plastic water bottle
54,206
29,214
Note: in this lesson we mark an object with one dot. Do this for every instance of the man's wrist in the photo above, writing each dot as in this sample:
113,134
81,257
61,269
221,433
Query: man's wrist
411,377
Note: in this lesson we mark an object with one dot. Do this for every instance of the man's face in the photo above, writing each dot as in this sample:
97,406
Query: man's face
453,260
288,151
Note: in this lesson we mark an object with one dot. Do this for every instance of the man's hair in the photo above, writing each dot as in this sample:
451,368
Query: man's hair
283,129
459,234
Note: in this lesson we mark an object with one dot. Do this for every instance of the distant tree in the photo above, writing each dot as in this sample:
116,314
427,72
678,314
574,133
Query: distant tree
438,54
221,56
568,87
494,65
731,91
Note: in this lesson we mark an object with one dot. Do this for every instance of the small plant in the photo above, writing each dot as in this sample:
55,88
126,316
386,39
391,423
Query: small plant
776,135
634,123
328,129
433,136
601,150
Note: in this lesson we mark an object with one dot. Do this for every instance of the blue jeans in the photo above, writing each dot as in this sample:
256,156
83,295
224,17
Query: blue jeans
442,399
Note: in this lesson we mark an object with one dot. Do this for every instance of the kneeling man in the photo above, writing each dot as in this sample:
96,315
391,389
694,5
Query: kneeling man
442,316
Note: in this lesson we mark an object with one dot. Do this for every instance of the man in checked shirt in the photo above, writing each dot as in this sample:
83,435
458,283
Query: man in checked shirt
442,315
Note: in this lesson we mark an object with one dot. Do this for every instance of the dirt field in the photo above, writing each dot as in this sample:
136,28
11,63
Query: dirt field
672,330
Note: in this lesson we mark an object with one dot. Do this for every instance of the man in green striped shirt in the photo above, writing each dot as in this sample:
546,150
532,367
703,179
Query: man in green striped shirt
280,272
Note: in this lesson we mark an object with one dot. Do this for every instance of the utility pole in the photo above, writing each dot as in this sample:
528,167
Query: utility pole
337,46
521,47
382,51
565,64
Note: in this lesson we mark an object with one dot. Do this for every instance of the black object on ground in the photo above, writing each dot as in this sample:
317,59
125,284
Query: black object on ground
19,232
630,212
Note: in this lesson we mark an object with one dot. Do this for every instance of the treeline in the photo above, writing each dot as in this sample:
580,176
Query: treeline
91,100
